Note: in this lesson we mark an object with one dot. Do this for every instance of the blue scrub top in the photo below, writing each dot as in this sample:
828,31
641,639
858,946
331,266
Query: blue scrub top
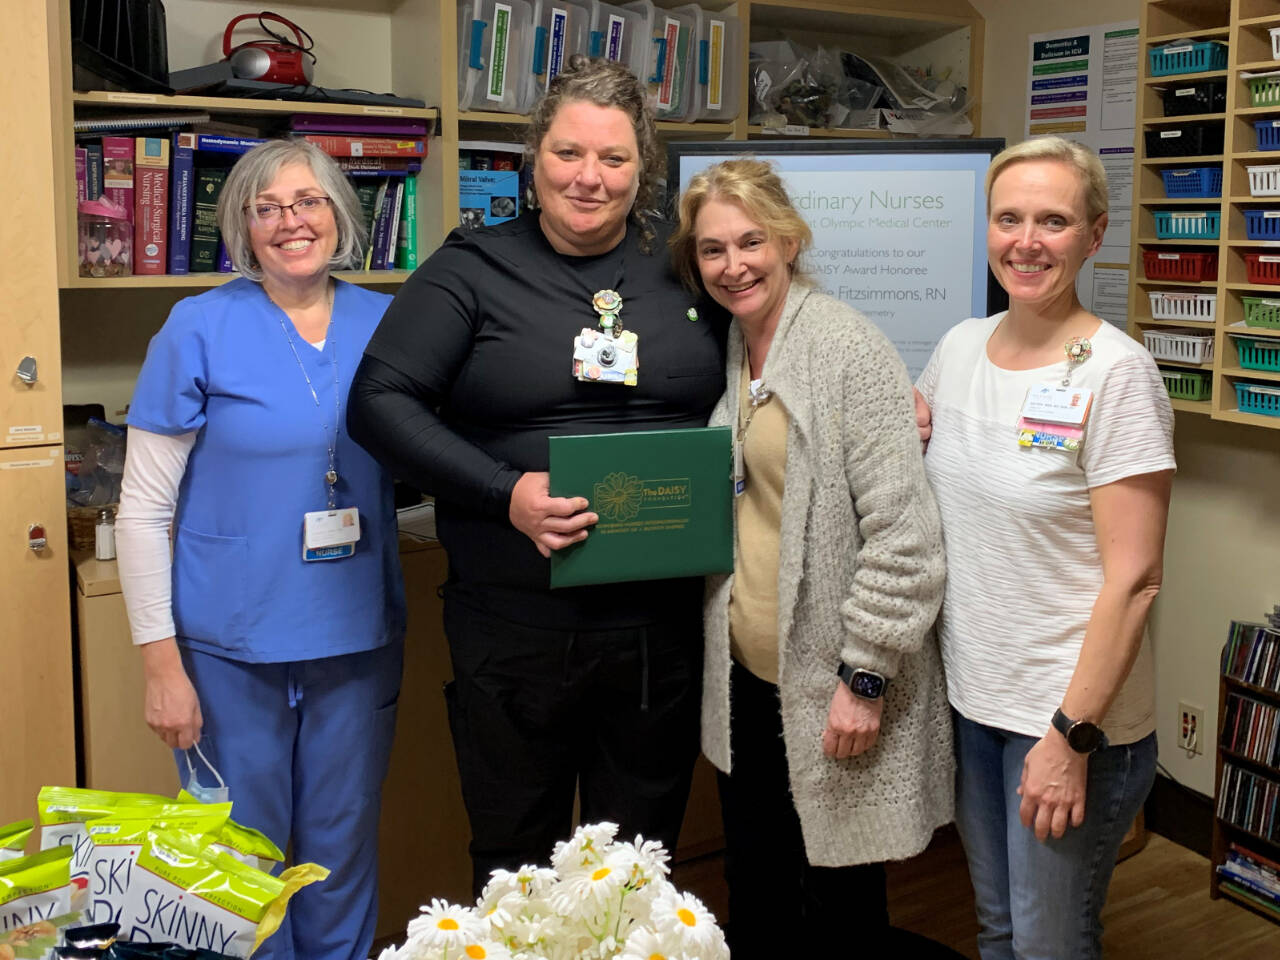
221,365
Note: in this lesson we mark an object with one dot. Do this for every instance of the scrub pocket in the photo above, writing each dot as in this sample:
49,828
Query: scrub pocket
209,588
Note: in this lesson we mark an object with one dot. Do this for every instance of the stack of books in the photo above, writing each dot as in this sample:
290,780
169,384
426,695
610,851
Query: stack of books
168,170
1252,876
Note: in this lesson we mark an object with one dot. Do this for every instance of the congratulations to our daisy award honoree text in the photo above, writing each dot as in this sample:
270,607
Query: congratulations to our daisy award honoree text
898,245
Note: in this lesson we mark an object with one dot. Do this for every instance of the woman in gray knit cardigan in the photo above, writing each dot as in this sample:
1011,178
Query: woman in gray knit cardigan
823,705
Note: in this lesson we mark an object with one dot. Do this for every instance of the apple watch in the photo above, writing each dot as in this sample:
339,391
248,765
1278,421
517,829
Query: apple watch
866,684
1081,735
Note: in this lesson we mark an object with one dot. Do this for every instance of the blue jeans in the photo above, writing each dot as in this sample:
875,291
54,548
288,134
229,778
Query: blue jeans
1041,901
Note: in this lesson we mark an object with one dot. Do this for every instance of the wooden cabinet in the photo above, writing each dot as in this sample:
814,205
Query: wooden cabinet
1189,317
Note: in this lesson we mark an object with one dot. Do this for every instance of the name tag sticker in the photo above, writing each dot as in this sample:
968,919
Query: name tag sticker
1050,403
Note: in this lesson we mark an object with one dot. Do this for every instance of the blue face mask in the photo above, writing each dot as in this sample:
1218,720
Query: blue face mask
219,794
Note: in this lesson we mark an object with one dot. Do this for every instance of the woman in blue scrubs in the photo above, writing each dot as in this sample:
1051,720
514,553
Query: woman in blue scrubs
272,640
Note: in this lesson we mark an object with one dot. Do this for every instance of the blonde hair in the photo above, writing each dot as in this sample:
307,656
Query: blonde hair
756,187
1080,158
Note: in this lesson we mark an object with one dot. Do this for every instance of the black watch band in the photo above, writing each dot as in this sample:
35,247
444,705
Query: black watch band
1081,735
866,684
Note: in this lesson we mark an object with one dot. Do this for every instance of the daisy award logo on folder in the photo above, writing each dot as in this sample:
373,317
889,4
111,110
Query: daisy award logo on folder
622,497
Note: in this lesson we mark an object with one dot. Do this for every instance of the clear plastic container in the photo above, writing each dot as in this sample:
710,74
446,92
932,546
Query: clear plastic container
717,84
495,47
619,34
561,28
105,239
672,60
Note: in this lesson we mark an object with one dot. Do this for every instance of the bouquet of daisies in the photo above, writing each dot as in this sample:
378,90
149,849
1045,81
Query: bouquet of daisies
601,899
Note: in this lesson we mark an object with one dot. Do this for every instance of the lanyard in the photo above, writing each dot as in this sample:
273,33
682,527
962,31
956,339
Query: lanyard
330,475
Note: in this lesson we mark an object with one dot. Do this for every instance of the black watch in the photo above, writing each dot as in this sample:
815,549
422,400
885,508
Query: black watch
1081,735
866,684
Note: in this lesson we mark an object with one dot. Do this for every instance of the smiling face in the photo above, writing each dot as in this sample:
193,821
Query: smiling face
1039,234
292,248
742,268
586,173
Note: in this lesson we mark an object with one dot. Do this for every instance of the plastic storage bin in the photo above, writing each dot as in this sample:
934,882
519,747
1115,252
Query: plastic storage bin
1264,180
1190,267
1203,96
621,35
1188,57
719,71
560,29
1262,268
1258,354
1267,133
1188,224
1187,384
673,58
1262,224
1184,346
1193,140
1264,91
1188,307
495,47
1261,312
1275,43
1258,398
1199,182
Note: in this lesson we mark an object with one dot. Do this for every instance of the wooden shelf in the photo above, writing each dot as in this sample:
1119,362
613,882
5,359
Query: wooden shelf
1250,419
1272,20
1192,284
1181,201
1263,244
370,278
1185,77
1187,118
1189,324
1240,373
1192,406
755,130
1244,331
1210,33
238,105
1182,365
1248,904
1153,242
1268,770
1201,160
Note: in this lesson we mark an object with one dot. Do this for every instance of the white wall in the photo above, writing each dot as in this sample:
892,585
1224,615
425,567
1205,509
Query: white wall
1222,556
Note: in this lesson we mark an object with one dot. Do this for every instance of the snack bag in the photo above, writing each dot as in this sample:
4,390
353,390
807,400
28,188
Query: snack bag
117,839
204,899
122,950
35,901
13,839
63,813
244,843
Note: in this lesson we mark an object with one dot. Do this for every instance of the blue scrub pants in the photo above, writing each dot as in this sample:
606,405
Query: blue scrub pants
303,747
1042,901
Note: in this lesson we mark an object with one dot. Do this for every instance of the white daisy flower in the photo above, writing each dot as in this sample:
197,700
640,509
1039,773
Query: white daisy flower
682,918
593,892
645,944
485,950
585,849
446,925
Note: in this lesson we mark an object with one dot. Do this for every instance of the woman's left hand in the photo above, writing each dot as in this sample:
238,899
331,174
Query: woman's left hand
1053,784
853,724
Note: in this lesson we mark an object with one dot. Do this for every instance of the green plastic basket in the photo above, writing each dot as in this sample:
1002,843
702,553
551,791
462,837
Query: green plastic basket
1264,91
1258,354
1186,384
1261,312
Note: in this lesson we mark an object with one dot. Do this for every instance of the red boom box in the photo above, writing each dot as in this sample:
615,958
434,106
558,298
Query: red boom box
278,60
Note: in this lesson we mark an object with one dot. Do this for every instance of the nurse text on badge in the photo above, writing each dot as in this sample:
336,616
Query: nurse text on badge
330,534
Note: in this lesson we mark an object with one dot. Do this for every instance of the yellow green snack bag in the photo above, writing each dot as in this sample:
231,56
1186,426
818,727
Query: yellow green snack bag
35,901
13,839
201,898
244,843
117,839
63,812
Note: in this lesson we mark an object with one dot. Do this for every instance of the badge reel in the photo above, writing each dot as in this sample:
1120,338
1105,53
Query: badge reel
607,354
1053,416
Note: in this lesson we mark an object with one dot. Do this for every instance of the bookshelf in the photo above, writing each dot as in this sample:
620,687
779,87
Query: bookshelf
1247,764
1243,26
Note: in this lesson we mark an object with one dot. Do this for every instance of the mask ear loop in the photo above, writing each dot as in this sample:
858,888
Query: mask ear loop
222,784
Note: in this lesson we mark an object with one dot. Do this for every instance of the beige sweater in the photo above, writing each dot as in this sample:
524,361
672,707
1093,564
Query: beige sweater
860,580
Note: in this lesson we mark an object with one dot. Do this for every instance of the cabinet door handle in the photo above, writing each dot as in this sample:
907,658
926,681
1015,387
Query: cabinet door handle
36,539
27,371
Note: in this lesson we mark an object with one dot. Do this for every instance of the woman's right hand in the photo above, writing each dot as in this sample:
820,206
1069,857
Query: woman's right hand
924,420
552,523
171,706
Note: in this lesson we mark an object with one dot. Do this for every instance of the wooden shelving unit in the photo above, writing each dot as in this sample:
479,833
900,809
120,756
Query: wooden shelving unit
1243,25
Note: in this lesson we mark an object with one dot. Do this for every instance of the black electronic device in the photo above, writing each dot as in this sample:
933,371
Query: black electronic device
866,684
119,45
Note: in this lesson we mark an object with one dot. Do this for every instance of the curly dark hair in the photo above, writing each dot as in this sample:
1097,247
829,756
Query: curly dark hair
606,83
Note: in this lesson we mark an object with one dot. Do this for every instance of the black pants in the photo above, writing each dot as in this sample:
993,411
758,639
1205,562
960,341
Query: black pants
535,713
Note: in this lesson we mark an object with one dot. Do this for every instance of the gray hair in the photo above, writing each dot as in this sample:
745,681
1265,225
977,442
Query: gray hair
1080,158
255,172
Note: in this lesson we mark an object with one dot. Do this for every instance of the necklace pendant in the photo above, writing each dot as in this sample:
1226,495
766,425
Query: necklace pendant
331,477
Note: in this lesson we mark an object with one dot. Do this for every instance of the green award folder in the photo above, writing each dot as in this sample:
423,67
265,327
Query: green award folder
665,500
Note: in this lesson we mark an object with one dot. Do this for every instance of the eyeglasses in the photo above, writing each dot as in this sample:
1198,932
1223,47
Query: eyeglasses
304,209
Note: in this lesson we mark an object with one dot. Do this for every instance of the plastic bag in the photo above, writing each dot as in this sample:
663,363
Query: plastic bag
97,480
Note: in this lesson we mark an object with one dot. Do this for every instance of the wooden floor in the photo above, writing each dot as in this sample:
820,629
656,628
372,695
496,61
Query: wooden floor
1158,908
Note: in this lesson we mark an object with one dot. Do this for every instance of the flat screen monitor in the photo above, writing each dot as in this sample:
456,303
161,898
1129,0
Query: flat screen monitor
899,226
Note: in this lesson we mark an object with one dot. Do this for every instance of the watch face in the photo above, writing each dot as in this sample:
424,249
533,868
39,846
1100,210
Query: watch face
1084,737
867,685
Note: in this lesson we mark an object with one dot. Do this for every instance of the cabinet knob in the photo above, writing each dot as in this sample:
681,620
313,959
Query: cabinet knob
36,539
27,371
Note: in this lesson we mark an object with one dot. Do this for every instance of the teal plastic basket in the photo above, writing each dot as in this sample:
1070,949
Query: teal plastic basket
1258,354
1188,57
1187,224
1258,398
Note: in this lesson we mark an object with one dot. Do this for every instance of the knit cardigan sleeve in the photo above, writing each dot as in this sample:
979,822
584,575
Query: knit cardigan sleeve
898,577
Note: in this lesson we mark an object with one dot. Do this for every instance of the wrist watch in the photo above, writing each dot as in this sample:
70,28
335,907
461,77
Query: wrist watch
866,684
1081,735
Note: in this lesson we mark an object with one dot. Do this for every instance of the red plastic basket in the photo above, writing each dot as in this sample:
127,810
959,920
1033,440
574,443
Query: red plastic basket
1262,268
1191,267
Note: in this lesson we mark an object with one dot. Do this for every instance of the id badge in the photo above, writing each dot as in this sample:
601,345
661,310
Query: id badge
1053,417
600,358
739,470
330,534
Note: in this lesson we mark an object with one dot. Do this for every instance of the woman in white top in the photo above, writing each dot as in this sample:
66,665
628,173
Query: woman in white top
1051,457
